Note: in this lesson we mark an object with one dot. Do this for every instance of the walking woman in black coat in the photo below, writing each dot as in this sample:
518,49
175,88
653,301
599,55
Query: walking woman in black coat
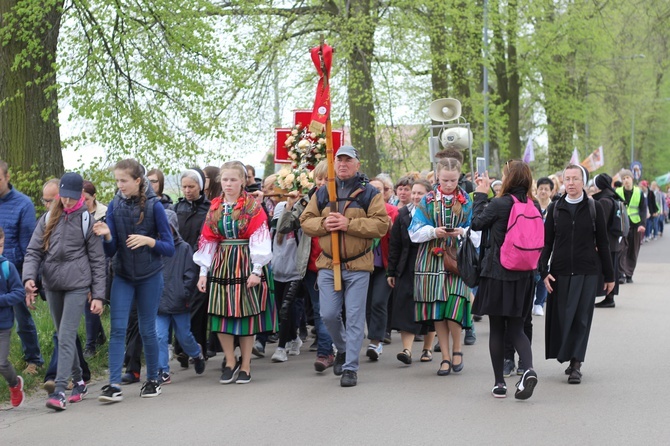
506,296
579,250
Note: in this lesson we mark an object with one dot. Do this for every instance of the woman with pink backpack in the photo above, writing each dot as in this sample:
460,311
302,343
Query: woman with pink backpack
507,287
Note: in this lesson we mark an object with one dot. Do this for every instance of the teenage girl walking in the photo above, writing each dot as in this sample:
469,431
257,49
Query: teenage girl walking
137,231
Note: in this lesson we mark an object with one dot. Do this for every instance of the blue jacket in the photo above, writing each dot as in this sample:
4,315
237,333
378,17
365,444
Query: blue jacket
122,217
17,218
11,293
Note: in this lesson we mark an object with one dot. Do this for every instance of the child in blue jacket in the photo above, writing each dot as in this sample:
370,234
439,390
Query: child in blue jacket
11,293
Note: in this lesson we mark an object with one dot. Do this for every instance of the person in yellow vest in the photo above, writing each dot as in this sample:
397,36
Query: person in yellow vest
637,213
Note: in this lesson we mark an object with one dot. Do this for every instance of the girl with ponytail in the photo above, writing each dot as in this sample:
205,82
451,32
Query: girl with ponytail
137,235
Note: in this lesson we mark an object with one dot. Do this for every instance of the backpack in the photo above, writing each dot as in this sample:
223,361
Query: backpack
4,270
619,223
85,222
524,239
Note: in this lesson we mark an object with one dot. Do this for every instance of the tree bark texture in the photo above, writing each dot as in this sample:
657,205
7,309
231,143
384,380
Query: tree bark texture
29,130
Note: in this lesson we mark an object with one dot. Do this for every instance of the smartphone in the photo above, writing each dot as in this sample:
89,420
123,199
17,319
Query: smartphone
481,165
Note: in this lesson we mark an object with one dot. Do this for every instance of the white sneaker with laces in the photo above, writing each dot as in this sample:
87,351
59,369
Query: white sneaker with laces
294,348
538,310
280,355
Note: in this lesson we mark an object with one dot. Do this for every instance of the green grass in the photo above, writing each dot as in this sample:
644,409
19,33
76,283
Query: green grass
45,329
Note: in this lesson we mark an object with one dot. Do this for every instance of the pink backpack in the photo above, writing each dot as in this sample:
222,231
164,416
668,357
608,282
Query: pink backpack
524,239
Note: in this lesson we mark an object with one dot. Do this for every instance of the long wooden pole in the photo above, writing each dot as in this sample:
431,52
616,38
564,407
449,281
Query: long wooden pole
332,197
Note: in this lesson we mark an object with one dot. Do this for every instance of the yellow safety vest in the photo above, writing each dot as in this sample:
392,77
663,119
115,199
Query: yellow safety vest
634,205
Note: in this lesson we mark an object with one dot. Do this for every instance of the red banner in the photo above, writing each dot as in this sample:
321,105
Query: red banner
322,56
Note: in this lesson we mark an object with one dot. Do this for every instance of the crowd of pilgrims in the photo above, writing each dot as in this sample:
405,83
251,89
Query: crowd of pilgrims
236,264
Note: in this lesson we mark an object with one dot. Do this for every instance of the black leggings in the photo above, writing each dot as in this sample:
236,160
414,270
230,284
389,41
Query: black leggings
515,333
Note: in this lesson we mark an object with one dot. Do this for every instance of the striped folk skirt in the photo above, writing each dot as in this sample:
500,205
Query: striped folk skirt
233,308
438,294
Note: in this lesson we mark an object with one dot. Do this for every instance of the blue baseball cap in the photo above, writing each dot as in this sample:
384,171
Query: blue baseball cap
71,186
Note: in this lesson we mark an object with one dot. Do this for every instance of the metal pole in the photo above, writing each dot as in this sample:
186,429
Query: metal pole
632,138
485,88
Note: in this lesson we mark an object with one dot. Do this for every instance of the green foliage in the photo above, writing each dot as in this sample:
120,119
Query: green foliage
29,183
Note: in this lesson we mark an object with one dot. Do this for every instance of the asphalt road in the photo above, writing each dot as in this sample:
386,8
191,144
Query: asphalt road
622,399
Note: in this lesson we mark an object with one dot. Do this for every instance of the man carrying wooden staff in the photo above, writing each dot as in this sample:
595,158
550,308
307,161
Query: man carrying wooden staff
360,218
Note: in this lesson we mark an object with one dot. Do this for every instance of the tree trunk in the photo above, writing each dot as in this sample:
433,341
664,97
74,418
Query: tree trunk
29,130
360,86
514,88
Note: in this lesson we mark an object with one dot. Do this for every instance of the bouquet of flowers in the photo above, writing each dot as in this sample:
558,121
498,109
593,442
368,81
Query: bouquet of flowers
305,148
295,179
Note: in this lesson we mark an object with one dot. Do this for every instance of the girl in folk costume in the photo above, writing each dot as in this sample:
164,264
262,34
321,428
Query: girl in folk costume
441,296
234,250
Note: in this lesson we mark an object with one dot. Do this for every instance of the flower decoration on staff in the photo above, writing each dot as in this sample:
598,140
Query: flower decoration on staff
437,252
305,148
295,179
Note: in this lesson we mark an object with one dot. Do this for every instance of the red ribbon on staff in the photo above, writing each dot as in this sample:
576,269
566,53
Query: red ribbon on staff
322,56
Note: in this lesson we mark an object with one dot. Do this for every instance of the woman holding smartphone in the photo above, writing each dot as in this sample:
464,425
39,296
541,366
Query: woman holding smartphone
441,296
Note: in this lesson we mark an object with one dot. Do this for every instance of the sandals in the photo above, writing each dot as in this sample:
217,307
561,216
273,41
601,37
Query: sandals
405,356
441,372
457,367
426,355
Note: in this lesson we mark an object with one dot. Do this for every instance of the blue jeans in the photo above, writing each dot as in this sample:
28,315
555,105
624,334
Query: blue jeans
146,294
353,296
323,339
540,291
28,333
181,324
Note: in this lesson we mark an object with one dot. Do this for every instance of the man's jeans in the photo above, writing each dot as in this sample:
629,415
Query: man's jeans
324,341
353,295
28,333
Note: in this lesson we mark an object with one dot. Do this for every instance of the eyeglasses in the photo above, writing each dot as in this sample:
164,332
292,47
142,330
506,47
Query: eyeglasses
386,189
153,181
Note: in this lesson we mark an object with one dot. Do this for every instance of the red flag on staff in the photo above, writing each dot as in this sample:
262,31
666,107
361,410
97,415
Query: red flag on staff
322,56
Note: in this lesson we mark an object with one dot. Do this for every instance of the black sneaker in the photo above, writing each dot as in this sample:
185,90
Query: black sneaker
340,359
150,389
526,385
508,367
243,378
199,364
499,391
110,394
273,338
183,360
349,378
228,376
315,346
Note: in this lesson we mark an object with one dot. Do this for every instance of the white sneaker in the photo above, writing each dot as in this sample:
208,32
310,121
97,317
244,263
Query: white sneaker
280,355
374,351
294,348
170,352
538,310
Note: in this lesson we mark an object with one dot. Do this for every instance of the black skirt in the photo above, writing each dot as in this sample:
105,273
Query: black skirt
402,316
569,317
512,298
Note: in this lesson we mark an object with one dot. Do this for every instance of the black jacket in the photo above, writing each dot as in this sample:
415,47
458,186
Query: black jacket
493,216
180,276
606,199
402,252
191,216
571,242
